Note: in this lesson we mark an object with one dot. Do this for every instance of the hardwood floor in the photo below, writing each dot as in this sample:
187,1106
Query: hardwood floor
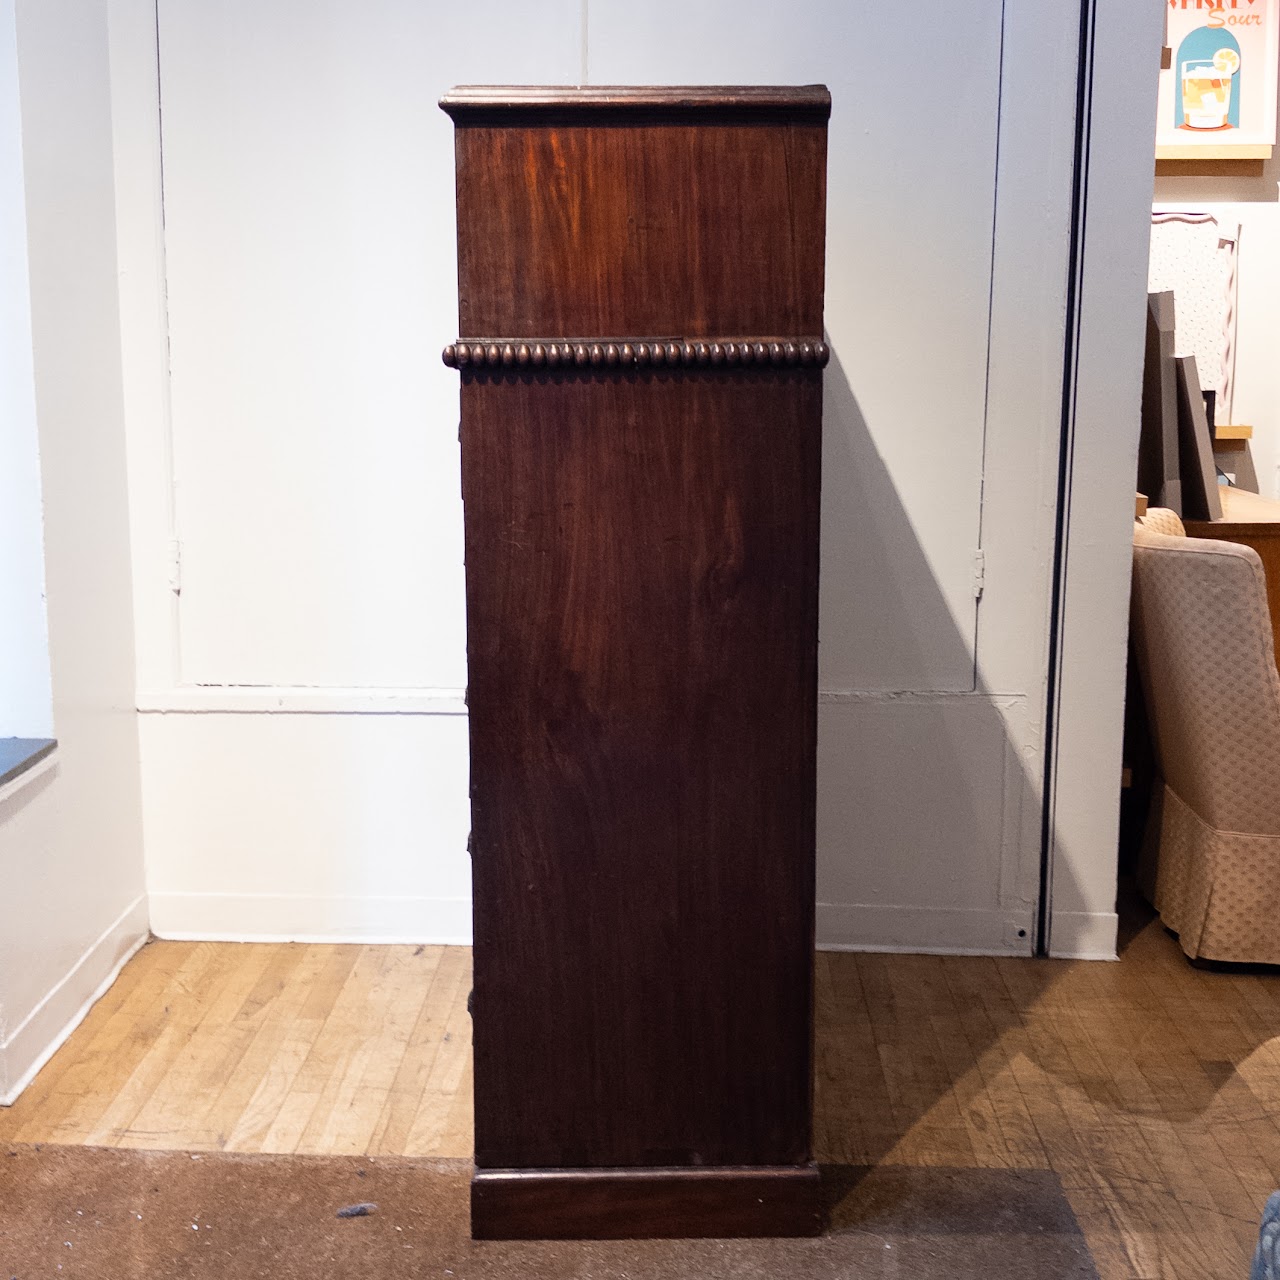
1151,1089
255,1047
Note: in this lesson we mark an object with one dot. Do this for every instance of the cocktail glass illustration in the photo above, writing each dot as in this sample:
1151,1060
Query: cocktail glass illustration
1206,89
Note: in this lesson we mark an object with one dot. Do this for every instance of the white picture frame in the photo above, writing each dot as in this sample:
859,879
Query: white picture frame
1217,99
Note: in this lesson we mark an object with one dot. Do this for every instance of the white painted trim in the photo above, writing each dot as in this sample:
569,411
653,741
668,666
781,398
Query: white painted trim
1085,935
317,700
1093,624
301,700
28,776
951,931
270,917
46,1028
1039,65
924,697
144,335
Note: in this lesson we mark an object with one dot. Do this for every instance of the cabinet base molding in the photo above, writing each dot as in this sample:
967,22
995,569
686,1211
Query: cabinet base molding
620,1204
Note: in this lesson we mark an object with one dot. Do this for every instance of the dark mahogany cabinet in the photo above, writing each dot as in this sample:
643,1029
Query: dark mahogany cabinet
641,347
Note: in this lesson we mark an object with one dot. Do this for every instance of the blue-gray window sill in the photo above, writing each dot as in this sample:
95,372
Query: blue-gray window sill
19,756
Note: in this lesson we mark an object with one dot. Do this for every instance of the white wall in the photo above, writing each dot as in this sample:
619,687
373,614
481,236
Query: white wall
73,904
303,751
25,707
304,734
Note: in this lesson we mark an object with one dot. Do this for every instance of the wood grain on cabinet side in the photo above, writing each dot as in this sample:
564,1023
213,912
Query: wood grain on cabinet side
608,231
642,640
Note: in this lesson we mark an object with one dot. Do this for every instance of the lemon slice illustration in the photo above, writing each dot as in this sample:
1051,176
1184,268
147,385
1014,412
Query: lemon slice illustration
1227,61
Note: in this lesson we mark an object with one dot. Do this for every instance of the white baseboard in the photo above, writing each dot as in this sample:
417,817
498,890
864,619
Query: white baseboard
945,931
43,1031
266,917
1083,935
218,917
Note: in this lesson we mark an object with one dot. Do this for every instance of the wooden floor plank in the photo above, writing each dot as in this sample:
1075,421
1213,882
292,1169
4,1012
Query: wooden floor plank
95,1041
966,981
449,1068
126,1050
249,1131
319,1077
191,1098
349,1124
451,975
297,971
176,1079
914,1080
858,1122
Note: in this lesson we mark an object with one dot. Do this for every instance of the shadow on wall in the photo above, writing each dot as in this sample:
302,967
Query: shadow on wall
928,799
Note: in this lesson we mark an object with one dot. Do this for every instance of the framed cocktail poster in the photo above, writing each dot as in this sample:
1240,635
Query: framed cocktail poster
1218,98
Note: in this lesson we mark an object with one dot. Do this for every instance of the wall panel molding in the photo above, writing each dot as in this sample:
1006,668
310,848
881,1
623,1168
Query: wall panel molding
300,700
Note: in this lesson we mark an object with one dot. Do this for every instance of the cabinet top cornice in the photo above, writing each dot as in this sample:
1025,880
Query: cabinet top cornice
466,103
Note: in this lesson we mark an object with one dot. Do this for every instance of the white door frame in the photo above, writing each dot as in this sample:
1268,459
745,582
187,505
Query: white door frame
1115,168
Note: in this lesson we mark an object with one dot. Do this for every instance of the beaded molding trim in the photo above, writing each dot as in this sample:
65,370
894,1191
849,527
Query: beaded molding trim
747,353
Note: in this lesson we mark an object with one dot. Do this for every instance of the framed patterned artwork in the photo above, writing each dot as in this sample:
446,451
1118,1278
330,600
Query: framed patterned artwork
1194,254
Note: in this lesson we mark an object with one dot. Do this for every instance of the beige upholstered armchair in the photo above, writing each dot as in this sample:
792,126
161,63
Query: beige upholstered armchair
1202,634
